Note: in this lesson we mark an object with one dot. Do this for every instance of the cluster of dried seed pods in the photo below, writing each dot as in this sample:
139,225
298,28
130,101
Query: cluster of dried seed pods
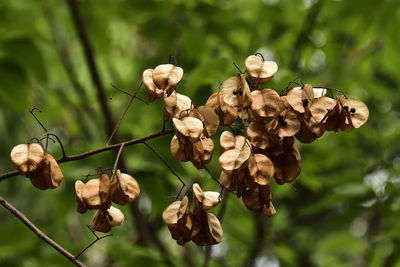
270,121
36,164
199,226
99,194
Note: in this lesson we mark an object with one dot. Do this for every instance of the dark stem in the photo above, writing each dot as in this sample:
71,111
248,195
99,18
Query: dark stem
94,241
90,61
165,162
123,113
39,233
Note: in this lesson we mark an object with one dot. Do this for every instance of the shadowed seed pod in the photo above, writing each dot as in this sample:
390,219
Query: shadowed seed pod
124,188
48,175
104,220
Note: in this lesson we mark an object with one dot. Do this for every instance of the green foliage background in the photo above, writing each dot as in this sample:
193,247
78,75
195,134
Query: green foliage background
341,211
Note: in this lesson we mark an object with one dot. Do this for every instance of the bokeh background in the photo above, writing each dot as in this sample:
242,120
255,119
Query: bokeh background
343,210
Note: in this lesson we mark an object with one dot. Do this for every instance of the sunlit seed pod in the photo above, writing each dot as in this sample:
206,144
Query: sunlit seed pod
266,103
153,91
167,77
27,157
96,192
189,127
260,71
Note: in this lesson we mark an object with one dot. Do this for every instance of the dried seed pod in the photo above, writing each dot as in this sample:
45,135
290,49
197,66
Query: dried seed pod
235,158
202,152
204,200
214,226
81,204
266,103
211,120
175,211
260,71
176,106
256,199
356,111
178,150
286,124
104,220
189,127
269,211
208,231
287,166
27,157
49,174
225,117
124,188
261,169
179,220
153,91
235,92
257,135
96,193
322,107
167,77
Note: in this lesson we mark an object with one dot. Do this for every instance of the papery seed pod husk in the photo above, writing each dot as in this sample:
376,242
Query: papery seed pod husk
266,103
124,188
49,174
287,166
81,204
178,149
104,220
260,71
261,169
269,211
175,211
285,125
211,120
298,100
210,232
322,107
202,152
153,91
189,127
279,146
167,77
100,222
257,135
233,159
357,112
256,198
96,192
235,92
176,106
27,157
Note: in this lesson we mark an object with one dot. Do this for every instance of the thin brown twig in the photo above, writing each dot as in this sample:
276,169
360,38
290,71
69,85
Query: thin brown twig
92,243
39,233
116,161
96,151
165,162
132,97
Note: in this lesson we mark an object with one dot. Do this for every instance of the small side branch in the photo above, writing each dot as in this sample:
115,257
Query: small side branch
165,162
39,233
94,241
